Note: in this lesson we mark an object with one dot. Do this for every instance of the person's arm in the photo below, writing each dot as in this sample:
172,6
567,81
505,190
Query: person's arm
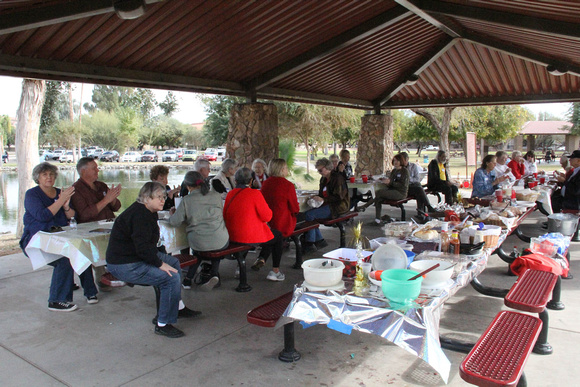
178,217
85,209
293,205
262,209
142,237
478,183
432,173
336,190
35,208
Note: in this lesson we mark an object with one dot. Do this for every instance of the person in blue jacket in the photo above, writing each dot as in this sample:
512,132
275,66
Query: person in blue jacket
484,181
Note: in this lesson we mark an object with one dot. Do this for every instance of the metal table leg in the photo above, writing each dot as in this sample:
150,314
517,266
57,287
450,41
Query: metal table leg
243,286
488,291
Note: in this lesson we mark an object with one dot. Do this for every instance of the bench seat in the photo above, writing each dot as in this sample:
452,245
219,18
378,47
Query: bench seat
238,250
339,222
499,356
267,315
531,293
300,229
399,204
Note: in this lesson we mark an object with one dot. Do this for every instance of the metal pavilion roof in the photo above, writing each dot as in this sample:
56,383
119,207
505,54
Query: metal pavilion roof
366,54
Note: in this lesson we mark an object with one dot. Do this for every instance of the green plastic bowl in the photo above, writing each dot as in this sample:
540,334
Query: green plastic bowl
397,287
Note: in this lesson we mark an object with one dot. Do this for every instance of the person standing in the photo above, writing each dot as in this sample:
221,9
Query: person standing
46,207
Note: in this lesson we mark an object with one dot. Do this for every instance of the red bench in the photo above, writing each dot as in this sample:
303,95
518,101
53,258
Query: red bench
531,293
339,222
399,204
499,356
267,315
238,250
300,229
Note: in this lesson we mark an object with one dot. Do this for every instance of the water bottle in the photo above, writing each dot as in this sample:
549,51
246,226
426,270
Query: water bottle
73,223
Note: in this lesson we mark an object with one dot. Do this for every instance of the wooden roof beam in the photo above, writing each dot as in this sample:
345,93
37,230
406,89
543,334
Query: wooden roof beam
330,46
38,16
416,69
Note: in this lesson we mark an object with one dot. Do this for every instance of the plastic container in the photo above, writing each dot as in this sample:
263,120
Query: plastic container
435,277
410,256
397,287
348,258
323,272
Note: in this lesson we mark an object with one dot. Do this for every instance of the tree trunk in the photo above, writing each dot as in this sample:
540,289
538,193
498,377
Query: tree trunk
27,129
442,127
307,157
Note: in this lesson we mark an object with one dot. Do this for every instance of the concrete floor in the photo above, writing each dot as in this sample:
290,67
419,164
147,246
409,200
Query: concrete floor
112,343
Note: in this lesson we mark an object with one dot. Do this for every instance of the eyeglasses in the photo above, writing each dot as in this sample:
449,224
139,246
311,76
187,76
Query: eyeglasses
320,170
161,197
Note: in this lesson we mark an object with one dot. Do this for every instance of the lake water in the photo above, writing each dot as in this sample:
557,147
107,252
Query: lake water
130,179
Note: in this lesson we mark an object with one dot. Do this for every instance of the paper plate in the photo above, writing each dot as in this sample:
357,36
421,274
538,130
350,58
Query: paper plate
389,256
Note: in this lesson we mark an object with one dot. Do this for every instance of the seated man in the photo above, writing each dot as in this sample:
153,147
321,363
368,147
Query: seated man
438,178
415,188
202,166
132,256
569,198
501,167
94,201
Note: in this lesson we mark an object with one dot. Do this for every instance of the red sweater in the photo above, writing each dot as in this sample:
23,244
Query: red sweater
281,197
246,213
518,169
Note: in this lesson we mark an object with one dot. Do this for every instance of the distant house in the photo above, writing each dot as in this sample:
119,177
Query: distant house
532,129
198,126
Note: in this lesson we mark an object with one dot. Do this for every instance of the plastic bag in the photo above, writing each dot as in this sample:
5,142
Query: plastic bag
538,261
542,243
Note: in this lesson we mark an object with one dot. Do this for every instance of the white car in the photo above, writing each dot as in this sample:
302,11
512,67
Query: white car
131,157
169,155
432,147
67,157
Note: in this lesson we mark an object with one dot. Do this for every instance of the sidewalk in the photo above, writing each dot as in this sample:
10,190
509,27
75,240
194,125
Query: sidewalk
112,343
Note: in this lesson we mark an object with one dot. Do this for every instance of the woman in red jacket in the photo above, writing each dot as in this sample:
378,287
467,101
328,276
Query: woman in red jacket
280,195
246,214
517,165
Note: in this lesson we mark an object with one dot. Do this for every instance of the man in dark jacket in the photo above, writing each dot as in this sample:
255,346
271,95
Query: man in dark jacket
439,180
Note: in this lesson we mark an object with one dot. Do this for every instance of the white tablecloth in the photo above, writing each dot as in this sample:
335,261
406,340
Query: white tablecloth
85,246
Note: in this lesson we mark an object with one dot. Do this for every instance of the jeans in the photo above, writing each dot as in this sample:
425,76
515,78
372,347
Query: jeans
142,273
63,279
322,212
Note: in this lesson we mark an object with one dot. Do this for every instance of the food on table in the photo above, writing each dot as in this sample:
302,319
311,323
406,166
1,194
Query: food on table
427,235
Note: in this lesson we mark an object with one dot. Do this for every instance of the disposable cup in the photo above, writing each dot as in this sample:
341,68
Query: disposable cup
352,179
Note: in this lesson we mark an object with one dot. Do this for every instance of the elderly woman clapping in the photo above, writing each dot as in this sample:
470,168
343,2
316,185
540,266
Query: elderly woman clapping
47,207
132,256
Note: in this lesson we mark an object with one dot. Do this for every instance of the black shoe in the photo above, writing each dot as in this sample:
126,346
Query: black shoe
186,283
75,287
187,313
62,306
321,244
309,247
168,331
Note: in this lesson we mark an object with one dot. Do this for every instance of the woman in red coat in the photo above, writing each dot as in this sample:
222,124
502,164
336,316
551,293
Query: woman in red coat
517,165
247,214
280,195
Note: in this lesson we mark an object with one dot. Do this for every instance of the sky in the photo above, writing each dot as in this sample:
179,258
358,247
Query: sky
191,110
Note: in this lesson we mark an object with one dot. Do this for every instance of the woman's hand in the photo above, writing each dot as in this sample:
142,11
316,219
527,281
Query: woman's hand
172,211
66,194
174,191
318,198
168,269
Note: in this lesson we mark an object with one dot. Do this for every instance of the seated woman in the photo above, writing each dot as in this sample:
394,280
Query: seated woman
202,212
394,187
159,174
247,214
223,181
344,166
484,181
334,200
132,256
259,173
46,207
517,165
439,180
530,166
568,199
280,195
334,160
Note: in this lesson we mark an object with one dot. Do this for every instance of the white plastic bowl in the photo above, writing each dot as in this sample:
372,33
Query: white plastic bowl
435,277
389,256
322,271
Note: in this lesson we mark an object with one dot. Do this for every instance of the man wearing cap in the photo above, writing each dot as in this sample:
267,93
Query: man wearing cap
569,201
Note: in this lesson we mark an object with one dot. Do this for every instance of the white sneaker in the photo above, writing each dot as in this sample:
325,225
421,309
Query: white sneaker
275,276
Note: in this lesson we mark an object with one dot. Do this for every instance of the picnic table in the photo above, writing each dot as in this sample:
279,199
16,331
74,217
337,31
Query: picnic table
87,245
414,328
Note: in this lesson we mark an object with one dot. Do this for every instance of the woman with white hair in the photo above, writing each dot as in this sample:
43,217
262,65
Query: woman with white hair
517,165
47,207
132,256
259,173
223,182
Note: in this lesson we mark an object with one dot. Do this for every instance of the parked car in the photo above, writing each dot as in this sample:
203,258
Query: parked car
221,154
46,155
432,147
67,157
210,154
110,156
95,153
179,152
149,155
189,155
57,153
5,157
131,157
169,155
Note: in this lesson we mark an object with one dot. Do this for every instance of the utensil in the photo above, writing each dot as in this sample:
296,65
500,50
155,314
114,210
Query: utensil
421,274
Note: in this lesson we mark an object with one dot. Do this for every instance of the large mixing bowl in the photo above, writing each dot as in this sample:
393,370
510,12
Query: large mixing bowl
397,287
323,272
436,277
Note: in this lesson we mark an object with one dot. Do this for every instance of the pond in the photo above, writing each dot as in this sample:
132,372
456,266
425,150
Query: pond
130,179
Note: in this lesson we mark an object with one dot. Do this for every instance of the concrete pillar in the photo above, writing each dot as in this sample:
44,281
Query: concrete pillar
375,145
531,142
253,133
519,142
